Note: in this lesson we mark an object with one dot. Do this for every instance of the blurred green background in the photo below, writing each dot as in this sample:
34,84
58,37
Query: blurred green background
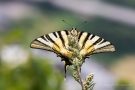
23,68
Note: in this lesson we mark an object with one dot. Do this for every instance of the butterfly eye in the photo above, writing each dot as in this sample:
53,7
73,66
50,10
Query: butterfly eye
74,32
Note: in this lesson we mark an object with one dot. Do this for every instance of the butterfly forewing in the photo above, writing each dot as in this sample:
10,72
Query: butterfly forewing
56,42
91,44
41,43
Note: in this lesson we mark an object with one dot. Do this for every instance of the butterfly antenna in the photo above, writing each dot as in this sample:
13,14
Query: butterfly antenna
82,24
67,23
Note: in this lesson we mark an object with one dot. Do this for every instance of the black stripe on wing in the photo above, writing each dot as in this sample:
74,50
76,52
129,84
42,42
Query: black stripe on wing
80,35
99,39
54,33
60,36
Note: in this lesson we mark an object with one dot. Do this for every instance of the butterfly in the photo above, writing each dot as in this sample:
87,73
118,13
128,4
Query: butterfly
59,42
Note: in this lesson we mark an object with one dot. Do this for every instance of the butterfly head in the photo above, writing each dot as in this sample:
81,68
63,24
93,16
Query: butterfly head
74,32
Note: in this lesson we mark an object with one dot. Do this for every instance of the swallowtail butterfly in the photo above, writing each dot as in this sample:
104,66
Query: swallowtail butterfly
59,43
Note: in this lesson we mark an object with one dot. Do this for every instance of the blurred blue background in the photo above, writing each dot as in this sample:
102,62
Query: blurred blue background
23,68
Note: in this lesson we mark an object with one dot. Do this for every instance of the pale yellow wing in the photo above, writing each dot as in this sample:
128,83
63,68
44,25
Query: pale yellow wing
56,42
91,44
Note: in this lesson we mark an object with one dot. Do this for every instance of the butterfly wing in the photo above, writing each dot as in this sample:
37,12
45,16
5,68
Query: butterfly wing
92,44
41,43
55,42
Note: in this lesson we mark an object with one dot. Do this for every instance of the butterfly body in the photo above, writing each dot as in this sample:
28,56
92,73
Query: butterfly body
71,44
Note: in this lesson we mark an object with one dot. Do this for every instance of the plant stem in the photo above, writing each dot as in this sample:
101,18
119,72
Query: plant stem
79,76
86,84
